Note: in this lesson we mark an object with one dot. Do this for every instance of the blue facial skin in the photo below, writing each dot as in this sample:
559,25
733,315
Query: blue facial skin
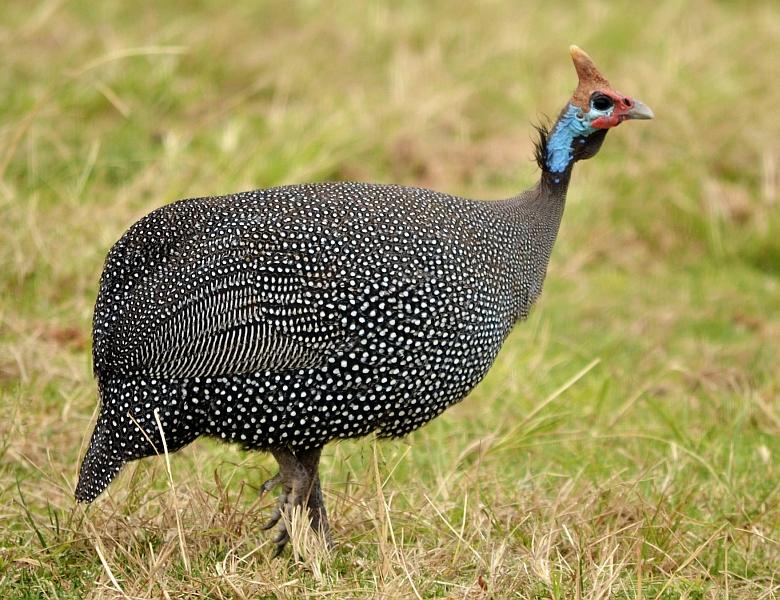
572,124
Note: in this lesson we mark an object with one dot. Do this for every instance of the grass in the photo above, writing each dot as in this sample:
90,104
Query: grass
625,444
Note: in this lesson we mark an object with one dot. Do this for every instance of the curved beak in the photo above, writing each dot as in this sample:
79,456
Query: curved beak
639,110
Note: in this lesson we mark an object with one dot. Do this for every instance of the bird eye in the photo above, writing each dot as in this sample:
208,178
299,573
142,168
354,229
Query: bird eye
601,102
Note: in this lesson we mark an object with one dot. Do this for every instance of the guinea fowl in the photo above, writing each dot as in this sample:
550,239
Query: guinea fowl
285,318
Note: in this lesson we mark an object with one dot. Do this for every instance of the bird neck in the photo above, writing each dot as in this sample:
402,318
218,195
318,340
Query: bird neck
536,213
554,186
569,131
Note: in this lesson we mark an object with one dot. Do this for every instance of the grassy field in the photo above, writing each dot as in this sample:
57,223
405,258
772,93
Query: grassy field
625,444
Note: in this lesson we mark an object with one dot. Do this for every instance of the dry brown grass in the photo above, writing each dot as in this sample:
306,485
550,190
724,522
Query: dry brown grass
625,445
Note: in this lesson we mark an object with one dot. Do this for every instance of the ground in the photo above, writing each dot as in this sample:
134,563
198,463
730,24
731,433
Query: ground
625,444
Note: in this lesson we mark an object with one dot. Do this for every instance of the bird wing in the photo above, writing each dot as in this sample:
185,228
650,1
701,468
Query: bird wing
215,305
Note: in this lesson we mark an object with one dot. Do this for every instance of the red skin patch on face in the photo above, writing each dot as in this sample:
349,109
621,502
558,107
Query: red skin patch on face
606,122
622,105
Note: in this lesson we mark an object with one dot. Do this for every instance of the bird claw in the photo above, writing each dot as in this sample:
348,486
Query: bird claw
270,484
275,518
283,536
281,542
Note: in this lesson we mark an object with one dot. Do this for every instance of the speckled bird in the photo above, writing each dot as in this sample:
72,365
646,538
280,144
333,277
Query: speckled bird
282,319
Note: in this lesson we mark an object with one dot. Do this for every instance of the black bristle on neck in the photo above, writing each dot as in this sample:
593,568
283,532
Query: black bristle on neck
540,146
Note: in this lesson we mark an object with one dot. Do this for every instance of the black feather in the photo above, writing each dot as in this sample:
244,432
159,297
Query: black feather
540,146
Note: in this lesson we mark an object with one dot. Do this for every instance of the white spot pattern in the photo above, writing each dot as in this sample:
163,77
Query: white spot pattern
298,315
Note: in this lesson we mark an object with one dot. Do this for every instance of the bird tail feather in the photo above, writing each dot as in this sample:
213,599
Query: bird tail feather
102,461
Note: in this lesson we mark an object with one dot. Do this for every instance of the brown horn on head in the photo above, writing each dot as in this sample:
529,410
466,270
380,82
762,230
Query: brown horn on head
590,77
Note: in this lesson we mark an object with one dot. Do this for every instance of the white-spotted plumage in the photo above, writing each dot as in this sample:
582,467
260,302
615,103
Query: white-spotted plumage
293,316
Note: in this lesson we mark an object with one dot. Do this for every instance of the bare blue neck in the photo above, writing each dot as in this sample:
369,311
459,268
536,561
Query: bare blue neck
571,128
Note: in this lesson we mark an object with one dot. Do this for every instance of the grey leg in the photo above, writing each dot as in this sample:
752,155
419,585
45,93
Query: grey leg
300,480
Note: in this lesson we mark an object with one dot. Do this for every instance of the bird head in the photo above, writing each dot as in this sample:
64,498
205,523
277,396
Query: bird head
594,108
600,105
